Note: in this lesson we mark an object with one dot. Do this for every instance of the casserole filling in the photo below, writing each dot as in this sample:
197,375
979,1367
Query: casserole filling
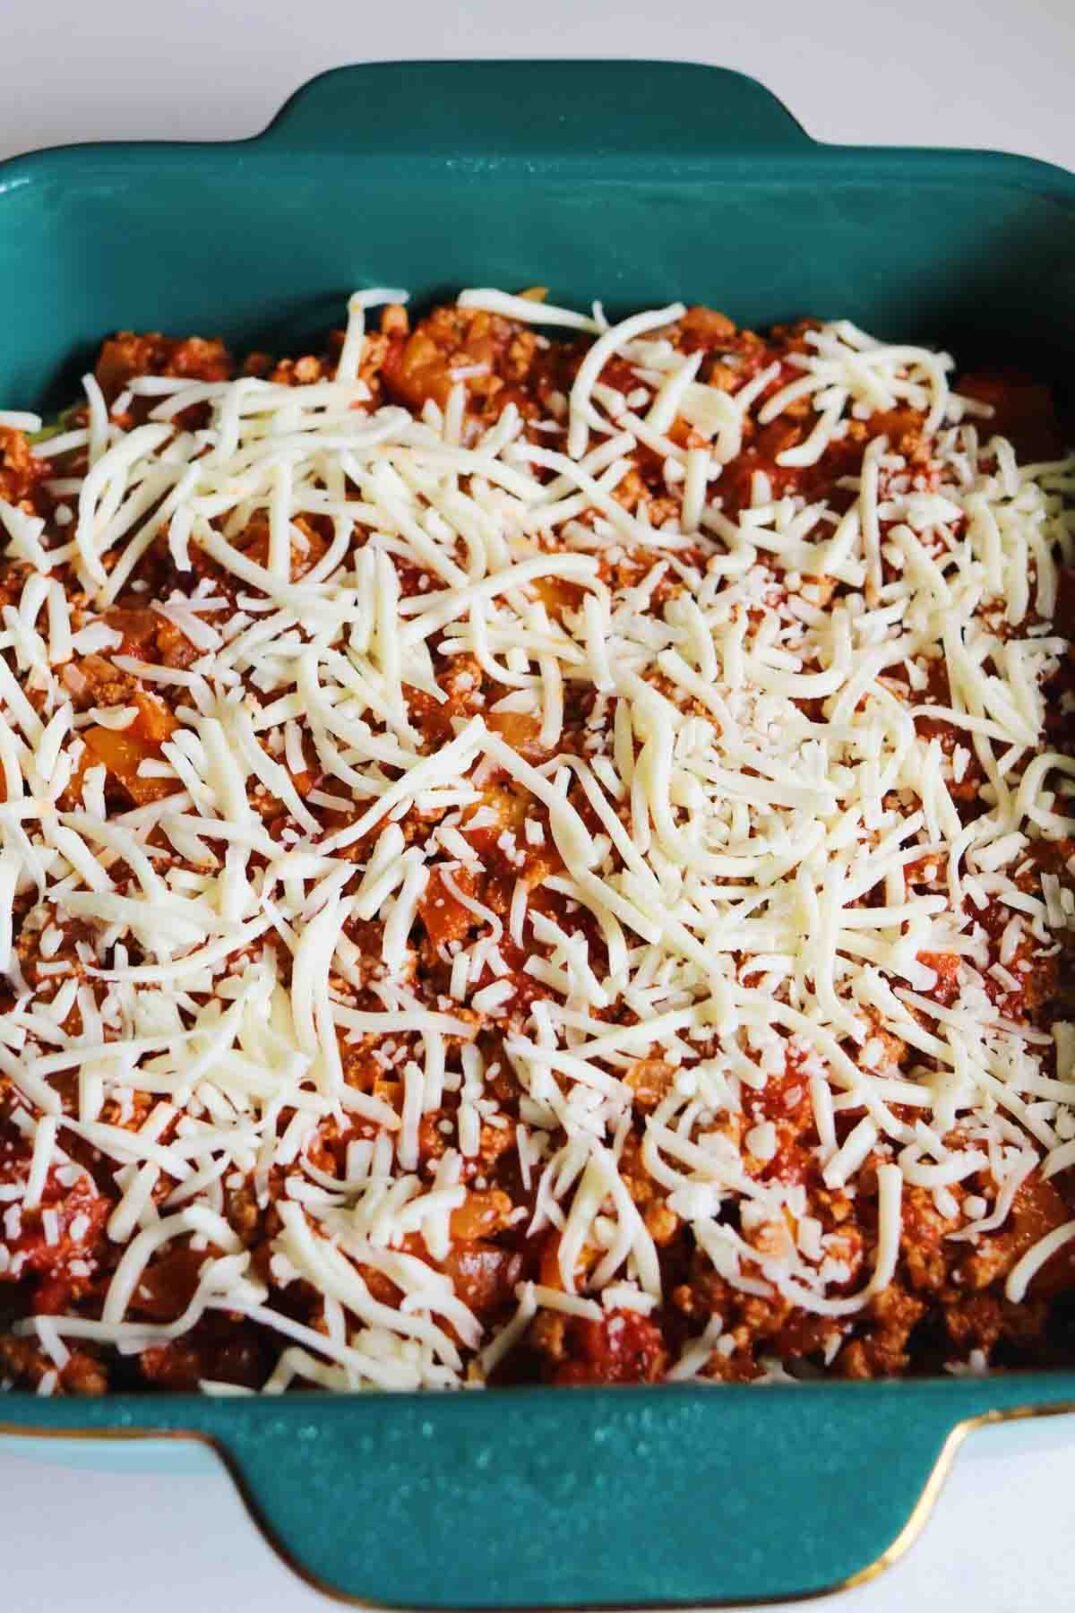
535,849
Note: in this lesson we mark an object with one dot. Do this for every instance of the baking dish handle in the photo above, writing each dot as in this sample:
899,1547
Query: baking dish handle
613,1498
500,111
578,1498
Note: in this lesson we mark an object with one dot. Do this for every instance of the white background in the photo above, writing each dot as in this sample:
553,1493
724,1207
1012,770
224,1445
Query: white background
948,72
994,73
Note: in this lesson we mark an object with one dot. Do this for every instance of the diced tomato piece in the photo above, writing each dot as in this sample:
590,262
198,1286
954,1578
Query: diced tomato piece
223,1350
519,729
623,1347
1038,1209
154,723
167,1286
444,916
66,1226
123,750
481,1214
483,1274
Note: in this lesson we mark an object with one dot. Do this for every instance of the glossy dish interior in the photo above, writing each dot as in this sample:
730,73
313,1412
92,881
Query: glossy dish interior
492,174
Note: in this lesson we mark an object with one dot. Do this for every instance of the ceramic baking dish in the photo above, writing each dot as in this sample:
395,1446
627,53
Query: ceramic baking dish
638,182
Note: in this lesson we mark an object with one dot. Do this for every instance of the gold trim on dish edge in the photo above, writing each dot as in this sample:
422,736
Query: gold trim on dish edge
906,1538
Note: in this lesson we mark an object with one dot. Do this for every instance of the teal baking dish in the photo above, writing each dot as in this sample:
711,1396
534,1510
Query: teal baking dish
637,182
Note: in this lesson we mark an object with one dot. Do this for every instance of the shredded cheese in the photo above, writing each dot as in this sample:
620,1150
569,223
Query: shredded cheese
495,805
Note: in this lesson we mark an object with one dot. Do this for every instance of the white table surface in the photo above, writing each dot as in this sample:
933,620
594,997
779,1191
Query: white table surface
993,73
